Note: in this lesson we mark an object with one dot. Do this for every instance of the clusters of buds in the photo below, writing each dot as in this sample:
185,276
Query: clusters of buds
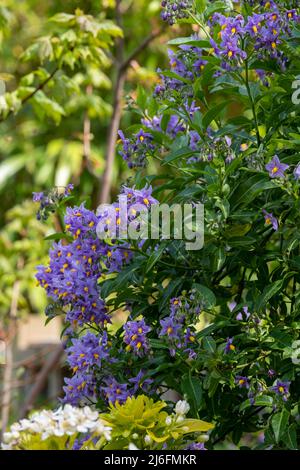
174,10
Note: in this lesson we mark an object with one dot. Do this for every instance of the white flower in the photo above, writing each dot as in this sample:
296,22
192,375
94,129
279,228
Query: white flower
168,420
65,421
147,439
132,447
6,446
182,407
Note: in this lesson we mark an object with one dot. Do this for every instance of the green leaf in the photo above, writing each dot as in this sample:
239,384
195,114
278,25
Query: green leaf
176,154
209,344
190,41
213,113
63,18
200,5
206,295
265,400
191,386
250,189
214,7
44,106
290,438
153,259
196,425
58,236
279,424
268,293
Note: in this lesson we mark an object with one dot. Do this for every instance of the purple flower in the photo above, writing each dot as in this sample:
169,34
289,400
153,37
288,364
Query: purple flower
69,188
79,220
270,219
189,337
88,351
135,150
139,382
175,305
79,388
196,446
243,315
170,328
175,126
114,391
282,389
242,382
271,373
37,197
275,168
229,347
194,140
135,337
297,172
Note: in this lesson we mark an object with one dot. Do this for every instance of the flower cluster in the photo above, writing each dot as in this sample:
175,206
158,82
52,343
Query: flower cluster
115,221
48,202
72,275
262,32
136,149
136,337
174,10
213,148
115,392
66,421
88,351
175,329
71,279
186,65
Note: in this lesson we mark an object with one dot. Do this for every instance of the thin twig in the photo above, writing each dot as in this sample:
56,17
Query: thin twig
31,95
87,131
41,379
122,65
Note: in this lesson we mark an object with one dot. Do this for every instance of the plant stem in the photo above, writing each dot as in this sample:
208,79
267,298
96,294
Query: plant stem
252,103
